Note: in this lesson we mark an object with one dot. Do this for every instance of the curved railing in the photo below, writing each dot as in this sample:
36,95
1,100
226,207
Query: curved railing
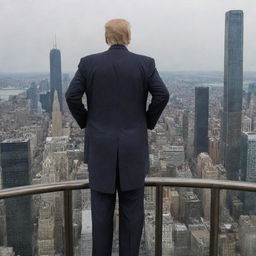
158,182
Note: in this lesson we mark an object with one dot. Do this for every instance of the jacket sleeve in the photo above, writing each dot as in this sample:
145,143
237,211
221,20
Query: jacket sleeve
74,94
160,96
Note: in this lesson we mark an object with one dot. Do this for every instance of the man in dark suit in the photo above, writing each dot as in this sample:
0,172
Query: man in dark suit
116,83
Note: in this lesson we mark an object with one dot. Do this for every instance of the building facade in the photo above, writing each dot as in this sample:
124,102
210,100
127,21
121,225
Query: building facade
248,169
232,101
55,75
16,164
201,120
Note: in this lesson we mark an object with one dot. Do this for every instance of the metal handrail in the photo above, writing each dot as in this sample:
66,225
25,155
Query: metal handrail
158,182
43,188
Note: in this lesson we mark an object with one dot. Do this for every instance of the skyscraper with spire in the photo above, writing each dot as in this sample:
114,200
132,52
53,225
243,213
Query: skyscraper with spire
56,117
55,74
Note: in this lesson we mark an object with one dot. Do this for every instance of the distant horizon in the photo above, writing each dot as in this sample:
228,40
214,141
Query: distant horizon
161,71
180,35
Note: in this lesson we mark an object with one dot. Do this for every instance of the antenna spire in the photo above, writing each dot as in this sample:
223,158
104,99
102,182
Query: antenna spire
55,42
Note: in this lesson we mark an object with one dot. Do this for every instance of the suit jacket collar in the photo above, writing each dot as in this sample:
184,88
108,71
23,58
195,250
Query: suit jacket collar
118,46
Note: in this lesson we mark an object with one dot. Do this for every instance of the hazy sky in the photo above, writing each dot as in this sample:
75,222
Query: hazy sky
179,34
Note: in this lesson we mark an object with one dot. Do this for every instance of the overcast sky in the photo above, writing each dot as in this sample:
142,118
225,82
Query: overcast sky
179,34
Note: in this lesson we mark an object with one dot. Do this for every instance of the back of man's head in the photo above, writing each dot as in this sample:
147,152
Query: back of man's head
117,31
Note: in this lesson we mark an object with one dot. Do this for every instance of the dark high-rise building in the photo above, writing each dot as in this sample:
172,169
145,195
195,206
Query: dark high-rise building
55,75
201,120
232,100
15,162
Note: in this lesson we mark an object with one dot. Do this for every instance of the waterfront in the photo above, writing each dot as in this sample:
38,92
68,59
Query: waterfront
5,93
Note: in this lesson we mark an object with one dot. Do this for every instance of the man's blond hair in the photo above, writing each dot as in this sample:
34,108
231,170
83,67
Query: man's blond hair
117,31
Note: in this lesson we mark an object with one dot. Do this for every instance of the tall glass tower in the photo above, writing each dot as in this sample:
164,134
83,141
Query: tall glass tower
55,76
201,120
16,162
232,100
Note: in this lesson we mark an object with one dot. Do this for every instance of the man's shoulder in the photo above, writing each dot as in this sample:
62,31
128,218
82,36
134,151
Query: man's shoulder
93,56
143,57
103,53
100,57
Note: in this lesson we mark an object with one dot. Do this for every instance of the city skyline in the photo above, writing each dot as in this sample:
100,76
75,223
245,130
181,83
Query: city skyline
191,33
207,131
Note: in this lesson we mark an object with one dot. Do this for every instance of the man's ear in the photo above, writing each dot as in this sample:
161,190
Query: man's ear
106,40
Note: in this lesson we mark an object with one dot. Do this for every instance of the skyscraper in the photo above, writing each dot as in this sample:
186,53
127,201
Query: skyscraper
201,120
55,76
56,117
248,168
214,149
32,94
185,123
15,162
45,100
232,100
251,103
251,91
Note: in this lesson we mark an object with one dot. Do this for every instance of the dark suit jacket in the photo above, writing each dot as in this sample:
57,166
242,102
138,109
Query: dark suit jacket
116,83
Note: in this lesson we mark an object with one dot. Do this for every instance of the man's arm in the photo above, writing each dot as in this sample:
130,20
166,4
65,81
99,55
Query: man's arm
74,96
160,97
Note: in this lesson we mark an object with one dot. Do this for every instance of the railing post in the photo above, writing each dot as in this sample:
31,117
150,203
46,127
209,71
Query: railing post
159,220
215,205
68,223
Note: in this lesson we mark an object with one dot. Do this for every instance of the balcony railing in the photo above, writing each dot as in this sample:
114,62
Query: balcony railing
68,186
